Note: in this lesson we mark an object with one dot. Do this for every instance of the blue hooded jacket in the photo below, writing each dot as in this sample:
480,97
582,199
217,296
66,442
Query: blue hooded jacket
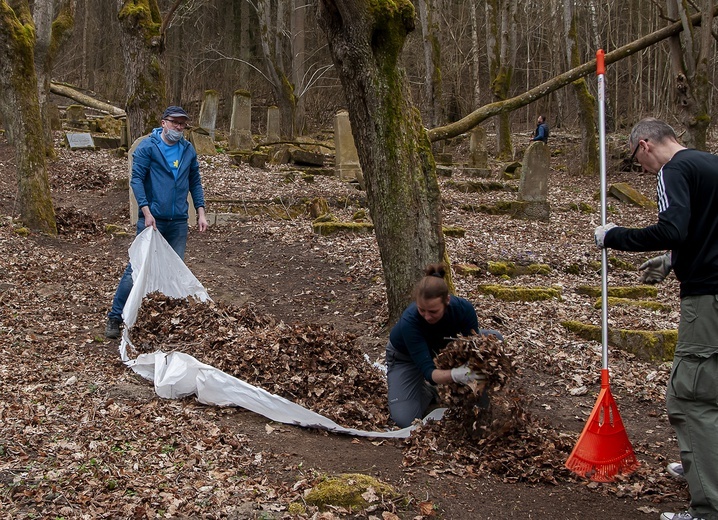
154,184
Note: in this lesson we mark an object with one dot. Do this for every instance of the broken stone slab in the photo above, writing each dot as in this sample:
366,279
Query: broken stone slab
105,142
628,302
626,193
443,158
257,160
646,345
520,293
330,228
634,292
498,208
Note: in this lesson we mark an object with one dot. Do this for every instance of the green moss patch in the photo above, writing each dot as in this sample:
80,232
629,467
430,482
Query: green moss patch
628,302
329,228
351,490
453,231
480,186
635,292
659,345
517,294
499,208
510,269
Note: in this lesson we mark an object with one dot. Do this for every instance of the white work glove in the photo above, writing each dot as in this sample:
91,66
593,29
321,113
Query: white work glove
600,234
463,375
656,269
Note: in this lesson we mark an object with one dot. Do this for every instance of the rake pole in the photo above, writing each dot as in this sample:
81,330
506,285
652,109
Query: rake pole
603,449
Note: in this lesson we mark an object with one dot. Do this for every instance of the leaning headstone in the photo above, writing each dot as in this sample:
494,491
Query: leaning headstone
478,154
134,210
240,126
208,112
273,124
533,188
54,113
203,143
79,140
346,160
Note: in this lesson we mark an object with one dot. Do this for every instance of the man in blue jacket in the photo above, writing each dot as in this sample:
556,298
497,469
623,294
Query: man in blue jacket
164,171
541,132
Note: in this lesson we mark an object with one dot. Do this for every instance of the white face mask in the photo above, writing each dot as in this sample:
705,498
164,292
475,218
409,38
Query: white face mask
172,135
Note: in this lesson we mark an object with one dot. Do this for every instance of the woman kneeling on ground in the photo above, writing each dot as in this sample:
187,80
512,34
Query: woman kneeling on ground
427,325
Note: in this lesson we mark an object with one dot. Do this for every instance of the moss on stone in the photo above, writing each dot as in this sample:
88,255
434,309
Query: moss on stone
572,269
621,264
628,302
526,294
634,292
454,231
506,268
329,228
349,491
659,345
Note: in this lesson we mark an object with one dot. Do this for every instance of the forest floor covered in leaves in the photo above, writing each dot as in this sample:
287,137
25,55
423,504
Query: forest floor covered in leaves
81,436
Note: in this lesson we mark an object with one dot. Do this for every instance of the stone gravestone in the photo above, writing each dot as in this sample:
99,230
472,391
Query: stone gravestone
75,115
208,112
478,155
202,142
240,127
346,157
273,124
133,201
79,141
533,188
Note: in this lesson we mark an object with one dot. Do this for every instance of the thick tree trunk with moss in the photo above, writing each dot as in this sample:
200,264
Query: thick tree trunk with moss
589,164
20,111
501,50
690,53
142,48
50,34
365,39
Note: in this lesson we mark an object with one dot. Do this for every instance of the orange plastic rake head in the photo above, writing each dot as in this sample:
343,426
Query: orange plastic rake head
603,449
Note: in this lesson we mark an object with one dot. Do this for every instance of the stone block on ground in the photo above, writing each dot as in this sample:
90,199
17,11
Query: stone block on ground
332,227
444,171
531,210
646,345
106,142
306,158
626,193
480,173
635,292
628,302
454,231
467,269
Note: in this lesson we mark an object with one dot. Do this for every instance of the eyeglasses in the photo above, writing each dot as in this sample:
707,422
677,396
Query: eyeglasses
635,150
178,124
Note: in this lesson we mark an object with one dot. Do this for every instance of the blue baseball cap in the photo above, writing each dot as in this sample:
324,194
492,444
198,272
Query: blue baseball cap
174,111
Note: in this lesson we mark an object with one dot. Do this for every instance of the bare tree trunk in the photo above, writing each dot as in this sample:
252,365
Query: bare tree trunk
689,59
586,102
475,63
501,47
283,89
20,111
298,44
394,152
481,114
432,62
50,34
142,48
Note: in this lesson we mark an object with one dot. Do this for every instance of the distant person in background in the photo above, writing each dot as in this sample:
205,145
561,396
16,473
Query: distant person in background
164,171
427,325
687,188
541,132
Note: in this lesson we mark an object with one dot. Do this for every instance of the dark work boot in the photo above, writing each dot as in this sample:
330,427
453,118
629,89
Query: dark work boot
112,329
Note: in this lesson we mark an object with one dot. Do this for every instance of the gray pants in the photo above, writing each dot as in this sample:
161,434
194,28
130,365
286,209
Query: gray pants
692,401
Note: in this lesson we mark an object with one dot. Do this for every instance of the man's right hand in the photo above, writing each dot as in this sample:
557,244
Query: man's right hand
656,269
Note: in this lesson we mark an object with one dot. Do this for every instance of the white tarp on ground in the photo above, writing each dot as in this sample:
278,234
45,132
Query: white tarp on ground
156,267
